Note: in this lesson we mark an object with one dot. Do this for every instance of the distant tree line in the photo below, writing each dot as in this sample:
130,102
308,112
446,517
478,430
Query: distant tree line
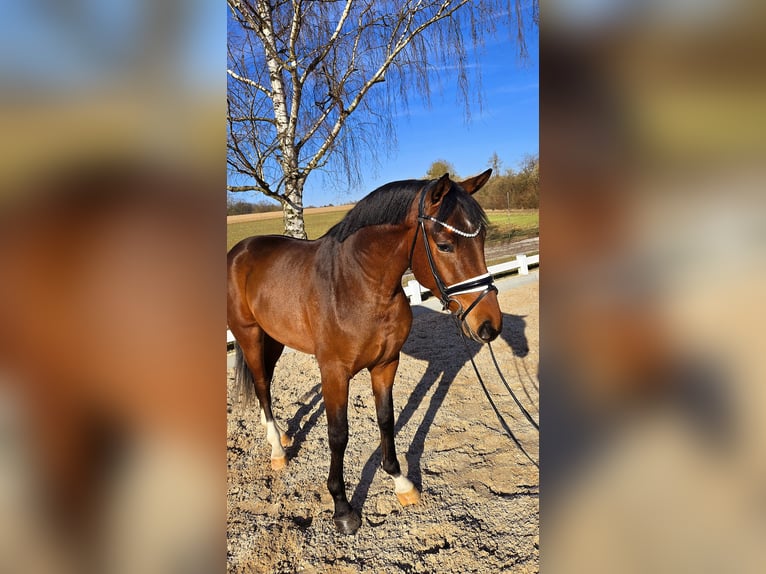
240,207
507,189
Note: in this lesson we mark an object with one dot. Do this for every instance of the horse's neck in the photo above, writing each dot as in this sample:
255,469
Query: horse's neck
379,252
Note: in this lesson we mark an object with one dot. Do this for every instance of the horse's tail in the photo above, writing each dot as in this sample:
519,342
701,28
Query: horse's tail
244,383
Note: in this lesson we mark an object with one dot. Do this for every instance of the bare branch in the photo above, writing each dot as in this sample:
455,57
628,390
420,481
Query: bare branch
249,82
331,41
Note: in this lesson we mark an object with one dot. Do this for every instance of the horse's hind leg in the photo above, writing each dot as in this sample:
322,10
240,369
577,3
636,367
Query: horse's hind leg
272,350
382,384
261,353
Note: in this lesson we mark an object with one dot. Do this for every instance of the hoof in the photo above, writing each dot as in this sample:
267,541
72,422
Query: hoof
286,440
348,524
278,463
409,497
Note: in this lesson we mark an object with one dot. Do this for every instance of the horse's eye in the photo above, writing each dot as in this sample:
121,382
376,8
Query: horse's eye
445,247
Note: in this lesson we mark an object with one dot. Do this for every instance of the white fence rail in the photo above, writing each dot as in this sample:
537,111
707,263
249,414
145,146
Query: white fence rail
522,263
415,290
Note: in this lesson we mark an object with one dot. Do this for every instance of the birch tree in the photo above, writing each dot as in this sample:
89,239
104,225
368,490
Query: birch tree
314,85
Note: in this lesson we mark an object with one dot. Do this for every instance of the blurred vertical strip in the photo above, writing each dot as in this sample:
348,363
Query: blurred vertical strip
653,231
112,237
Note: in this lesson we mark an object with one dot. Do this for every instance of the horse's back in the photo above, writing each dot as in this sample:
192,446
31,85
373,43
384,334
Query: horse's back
266,246
271,258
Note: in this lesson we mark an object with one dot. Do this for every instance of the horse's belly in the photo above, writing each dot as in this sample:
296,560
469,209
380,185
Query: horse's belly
288,331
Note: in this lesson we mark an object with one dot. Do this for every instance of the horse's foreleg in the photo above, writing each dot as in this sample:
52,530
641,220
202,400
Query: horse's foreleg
382,385
335,391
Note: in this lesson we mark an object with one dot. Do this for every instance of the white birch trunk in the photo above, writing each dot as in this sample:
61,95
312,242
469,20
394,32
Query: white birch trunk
293,214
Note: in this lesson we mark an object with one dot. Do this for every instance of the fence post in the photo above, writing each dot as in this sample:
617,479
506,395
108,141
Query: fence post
523,267
414,290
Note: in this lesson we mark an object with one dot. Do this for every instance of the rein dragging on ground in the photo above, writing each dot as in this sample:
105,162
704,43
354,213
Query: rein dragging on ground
507,386
499,416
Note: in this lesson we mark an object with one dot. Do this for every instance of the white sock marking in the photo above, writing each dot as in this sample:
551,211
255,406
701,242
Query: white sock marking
402,484
273,436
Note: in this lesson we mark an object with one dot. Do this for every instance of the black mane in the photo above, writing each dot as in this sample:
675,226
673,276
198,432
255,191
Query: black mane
390,203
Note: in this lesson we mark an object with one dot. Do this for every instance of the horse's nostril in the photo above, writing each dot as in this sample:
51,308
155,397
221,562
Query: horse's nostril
487,332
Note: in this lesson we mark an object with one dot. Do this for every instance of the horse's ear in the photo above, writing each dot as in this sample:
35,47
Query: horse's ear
474,184
442,186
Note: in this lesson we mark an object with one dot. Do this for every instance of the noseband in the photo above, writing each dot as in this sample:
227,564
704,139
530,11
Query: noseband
483,284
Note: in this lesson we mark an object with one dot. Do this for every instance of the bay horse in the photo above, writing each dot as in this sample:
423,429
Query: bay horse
340,298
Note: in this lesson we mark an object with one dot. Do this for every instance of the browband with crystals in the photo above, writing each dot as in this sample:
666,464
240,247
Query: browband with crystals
453,229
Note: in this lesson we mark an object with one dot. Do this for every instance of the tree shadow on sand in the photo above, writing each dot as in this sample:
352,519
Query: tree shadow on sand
444,360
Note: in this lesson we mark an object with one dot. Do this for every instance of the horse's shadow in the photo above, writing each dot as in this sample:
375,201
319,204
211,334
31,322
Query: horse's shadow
444,362
312,403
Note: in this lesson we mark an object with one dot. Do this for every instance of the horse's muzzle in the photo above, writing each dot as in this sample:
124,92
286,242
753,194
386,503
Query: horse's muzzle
487,332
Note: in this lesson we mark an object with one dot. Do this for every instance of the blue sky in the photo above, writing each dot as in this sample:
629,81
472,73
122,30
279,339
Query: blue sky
507,124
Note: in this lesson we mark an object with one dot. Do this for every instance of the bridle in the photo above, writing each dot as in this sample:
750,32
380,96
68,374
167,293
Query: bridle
483,284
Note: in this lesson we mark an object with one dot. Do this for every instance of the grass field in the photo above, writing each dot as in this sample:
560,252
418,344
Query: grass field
504,225
317,225
516,224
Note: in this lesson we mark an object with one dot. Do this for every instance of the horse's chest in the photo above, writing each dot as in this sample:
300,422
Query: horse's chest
384,337
367,341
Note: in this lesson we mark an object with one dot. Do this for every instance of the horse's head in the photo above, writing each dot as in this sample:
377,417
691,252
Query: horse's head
449,258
